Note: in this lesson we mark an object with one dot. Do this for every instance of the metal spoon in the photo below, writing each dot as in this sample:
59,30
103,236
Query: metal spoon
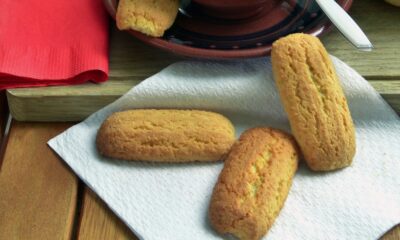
345,24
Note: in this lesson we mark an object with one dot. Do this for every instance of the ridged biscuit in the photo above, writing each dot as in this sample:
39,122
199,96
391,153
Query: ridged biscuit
149,17
314,101
254,183
165,135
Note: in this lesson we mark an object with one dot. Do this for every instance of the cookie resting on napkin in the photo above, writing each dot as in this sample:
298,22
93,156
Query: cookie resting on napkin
170,201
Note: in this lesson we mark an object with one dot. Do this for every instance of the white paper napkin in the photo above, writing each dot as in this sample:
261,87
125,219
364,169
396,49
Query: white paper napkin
170,201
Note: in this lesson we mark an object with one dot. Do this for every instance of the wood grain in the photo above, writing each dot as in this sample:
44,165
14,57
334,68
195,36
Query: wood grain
132,61
98,222
37,191
3,114
379,21
389,90
70,110
393,234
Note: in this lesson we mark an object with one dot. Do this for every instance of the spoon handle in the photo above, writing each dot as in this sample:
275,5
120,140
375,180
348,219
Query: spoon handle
345,24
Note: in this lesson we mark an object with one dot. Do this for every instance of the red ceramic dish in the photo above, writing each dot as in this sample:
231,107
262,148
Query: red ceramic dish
235,9
196,34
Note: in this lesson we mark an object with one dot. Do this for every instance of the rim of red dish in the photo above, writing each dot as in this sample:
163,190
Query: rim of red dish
212,53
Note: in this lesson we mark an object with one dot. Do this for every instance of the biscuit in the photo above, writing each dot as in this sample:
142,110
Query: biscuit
254,183
149,17
314,101
165,135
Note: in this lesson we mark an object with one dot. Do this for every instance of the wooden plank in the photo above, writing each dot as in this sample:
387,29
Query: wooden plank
3,114
38,192
70,110
98,222
379,21
132,61
390,91
393,234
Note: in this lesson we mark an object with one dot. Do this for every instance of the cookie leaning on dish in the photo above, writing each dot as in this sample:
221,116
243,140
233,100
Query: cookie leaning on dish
165,135
314,101
149,17
254,183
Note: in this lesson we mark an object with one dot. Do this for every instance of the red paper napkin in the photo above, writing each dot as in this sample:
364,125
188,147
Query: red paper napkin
52,42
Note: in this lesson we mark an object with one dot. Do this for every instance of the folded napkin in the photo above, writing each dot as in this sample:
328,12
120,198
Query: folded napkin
170,201
52,42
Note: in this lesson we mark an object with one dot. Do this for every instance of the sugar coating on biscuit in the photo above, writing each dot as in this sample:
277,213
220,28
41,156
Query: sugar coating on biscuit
149,17
254,183
314,101
166,135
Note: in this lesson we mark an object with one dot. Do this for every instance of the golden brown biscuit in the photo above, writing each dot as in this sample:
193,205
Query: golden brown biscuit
165,135
149,17
254,183
314,101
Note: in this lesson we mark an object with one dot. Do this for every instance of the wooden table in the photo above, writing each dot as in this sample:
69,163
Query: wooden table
41,198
